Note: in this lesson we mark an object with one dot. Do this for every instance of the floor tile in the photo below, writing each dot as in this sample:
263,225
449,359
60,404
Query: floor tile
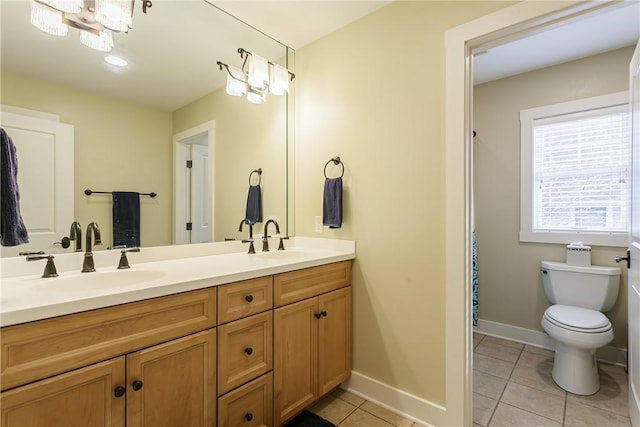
385,414
613,395
493,366
483,408
578,414
477,338
348,397
362,418
488,385
333,409
539,350
510,416
503,342
535,358
489,347
538,402
537,376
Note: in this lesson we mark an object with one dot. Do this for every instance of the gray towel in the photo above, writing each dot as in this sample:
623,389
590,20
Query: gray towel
126,219
332,203
12,229
254,204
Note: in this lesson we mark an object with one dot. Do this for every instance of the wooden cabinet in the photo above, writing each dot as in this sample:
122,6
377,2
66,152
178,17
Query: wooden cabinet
248,406
84,397
221,356
173,384
312,340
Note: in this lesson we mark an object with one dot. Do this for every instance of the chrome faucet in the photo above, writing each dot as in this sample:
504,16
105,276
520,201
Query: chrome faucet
76,234
252,249
265,238
87,265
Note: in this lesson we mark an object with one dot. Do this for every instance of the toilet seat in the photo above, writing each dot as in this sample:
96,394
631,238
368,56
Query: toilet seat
577,319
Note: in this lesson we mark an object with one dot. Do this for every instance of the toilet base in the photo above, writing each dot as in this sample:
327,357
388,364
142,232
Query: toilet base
576,370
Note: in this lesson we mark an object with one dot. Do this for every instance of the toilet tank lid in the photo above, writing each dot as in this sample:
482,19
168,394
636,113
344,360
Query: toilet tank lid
594,269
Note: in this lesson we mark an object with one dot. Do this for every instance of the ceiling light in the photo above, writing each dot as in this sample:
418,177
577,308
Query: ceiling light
94,18
263,77
116,60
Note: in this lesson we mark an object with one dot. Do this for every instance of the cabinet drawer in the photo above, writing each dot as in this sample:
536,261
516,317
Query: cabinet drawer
242,299
245,350
249,405
36,350
301,284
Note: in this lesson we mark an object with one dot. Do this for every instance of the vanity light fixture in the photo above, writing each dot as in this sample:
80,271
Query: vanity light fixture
261,78
96,19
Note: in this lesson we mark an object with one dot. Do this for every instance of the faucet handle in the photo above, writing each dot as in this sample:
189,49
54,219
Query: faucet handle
281,244
65,242
49,269
124,262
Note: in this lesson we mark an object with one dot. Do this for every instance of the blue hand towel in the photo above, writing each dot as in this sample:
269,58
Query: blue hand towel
12,229
126,219
332,203
254,204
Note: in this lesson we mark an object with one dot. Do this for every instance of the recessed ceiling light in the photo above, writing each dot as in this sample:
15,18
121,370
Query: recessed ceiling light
116,60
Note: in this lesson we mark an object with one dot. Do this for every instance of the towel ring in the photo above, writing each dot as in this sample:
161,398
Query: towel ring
259,172
336,161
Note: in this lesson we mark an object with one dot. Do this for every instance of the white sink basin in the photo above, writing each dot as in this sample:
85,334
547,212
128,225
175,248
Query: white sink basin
100,279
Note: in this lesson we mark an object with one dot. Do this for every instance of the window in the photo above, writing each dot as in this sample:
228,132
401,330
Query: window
574,171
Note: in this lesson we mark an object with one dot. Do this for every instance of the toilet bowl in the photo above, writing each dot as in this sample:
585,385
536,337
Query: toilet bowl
575,321
578,333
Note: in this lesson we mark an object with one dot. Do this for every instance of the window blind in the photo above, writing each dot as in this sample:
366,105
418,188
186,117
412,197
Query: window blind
580,171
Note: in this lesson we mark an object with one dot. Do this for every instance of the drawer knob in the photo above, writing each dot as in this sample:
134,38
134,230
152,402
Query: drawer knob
249,298
318,315
248,416
136,385
119,391
248,350
323,313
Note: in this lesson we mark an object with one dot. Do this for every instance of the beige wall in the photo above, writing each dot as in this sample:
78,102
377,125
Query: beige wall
248,137
509,270
118,146
374,94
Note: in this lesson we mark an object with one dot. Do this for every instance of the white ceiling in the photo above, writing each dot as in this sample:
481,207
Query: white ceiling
174,48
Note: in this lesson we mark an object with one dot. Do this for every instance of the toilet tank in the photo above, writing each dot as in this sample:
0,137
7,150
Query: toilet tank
593,287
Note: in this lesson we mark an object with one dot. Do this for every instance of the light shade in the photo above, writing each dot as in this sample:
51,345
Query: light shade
255,96
258,76
236,82
114,14
102,41
279,80
48,20
69,6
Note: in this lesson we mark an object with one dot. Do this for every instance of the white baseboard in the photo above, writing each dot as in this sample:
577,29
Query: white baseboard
606,354
402,403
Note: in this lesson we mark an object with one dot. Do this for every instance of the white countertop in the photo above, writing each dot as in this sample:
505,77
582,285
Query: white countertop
25,298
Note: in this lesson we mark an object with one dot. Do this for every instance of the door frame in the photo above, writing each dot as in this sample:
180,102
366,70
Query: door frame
494,29
181,185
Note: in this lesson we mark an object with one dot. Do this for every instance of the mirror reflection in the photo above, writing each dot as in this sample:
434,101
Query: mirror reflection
134,128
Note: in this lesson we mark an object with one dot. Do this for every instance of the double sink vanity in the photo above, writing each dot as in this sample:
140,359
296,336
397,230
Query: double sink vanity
197,335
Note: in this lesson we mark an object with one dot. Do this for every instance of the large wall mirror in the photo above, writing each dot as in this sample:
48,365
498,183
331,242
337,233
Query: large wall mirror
135,127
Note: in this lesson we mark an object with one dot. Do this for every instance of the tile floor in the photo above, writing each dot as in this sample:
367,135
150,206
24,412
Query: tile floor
512,387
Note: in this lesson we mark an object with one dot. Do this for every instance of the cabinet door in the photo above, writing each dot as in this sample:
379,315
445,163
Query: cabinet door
334,339
248,406
173,384
84,397
295,358
245,350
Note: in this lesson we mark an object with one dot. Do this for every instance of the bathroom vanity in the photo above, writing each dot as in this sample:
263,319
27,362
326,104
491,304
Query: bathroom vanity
228,352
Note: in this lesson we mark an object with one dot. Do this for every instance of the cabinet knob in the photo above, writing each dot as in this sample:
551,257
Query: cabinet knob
136,385
248,350
249,298
323,313
318,315
119,391
248,416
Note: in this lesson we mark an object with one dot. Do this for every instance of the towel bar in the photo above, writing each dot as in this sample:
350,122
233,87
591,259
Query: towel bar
336,161
259,172
90,192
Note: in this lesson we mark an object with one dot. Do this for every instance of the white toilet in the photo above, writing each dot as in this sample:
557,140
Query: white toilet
576,322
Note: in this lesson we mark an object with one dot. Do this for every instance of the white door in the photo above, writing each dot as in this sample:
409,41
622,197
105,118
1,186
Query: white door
200,193
634,247
44,149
